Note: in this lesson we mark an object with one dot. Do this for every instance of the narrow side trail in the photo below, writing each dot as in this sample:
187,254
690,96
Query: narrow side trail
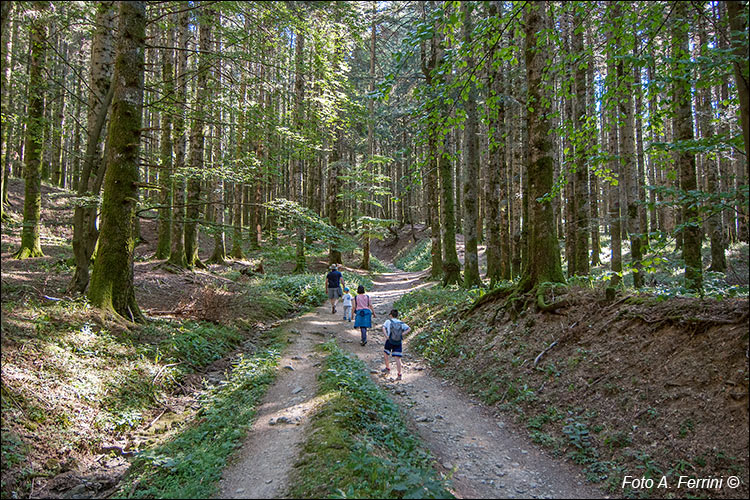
491,457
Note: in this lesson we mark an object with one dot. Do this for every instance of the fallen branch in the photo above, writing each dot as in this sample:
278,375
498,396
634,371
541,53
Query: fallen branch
539,356
157,418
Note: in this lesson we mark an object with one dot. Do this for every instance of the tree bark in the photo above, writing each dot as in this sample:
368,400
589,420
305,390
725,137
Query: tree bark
683,131
298,173
164,229
629,172
543,264
615,221
197,141
112,287
177,256
471,173
31,245
583,145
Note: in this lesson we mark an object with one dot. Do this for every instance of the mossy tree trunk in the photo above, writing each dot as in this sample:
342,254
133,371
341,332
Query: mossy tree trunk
582,146
31,244
471,170
197,141
493,194
629,168
543,264
164,243
111,286
177,255
298,174
683,131
85,232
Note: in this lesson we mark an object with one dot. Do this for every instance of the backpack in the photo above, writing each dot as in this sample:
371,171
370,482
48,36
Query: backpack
396,333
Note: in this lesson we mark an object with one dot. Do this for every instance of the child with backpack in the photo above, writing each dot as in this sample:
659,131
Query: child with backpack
394,330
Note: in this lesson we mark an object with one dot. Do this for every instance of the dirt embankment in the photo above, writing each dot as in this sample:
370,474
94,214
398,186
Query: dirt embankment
645,386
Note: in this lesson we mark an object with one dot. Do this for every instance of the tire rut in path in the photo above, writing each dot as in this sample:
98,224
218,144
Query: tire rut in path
261,467
491,458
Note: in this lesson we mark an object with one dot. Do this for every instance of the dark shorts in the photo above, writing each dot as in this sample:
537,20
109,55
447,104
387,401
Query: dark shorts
392,349
334,293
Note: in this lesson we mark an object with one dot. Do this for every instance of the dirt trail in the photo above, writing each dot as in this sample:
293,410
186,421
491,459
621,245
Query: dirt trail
490,457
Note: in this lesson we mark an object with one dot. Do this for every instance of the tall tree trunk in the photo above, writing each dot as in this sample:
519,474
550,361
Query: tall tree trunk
615,221
164,229
496,168
429,174
197,141
101,90
112,287
737,13
630,178
683,131
704,110
217,191
299,89
583,145
31,245
543,264
177,256
471,173
6,60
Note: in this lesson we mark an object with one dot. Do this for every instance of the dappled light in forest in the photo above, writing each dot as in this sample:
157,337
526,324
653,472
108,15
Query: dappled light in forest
544,203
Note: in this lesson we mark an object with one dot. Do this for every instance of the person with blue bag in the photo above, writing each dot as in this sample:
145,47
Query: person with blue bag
363,313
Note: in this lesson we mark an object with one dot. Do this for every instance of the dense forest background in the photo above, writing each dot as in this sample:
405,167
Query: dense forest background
521,125
571,177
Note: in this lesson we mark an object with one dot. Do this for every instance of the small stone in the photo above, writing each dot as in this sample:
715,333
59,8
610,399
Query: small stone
297,390
515,464
501,425
440,417
296,358
239,490
448,465
524,452
269,481
289,367
272,421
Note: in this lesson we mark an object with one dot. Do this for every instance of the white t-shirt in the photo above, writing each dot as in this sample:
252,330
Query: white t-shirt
347,300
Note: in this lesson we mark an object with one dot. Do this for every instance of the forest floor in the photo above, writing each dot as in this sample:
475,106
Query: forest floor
659,386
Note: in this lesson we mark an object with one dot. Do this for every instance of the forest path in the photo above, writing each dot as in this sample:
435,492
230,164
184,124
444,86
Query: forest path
492,457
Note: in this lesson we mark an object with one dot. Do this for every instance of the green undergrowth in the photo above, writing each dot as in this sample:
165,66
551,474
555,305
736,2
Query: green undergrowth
189,464
72,383
431,313
358,445
416,257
